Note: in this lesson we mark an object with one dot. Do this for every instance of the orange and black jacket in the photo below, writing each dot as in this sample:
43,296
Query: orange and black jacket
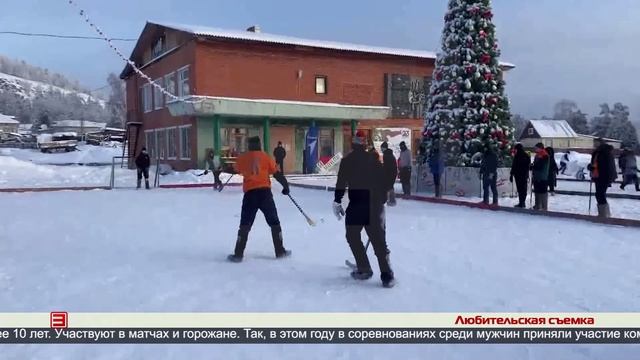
255,168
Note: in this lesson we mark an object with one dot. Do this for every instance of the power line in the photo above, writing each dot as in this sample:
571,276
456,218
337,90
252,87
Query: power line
61,36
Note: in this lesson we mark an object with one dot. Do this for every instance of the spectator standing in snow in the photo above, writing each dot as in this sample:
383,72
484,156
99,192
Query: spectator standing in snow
520,172
390,167
214,164
404,167
436,166
489,175
629,167
540,177
280,153
143,162
364,177
603,174
255,166
553,171
564,162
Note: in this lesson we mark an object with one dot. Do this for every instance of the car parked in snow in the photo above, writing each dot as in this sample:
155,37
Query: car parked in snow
57,142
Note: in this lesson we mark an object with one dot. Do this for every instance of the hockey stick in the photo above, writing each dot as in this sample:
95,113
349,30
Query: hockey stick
309,220
225,184
590,189
352,265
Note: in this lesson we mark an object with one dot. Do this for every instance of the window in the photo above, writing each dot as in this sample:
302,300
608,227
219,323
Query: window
161,138
159,47
170,86
326,143
185,143
172,143
150,141
530,131
158,98
183,82
321,84
147,98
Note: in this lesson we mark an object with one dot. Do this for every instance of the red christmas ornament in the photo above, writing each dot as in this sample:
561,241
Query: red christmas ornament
485,59
482,34
485,117
487,14
488,76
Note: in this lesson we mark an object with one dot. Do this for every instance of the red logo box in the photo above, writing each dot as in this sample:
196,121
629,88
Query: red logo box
59,320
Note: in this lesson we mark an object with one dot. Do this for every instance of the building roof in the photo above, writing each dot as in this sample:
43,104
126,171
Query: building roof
290,40
553,128
599,137
6,119
78,123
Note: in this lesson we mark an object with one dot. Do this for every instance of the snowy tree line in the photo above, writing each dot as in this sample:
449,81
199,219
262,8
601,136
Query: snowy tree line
23,70
611,122
45,106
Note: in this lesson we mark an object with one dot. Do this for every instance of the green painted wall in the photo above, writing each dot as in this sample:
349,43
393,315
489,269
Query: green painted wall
205,138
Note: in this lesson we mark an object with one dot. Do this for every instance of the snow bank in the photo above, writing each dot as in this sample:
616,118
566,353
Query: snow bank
86,154
165,252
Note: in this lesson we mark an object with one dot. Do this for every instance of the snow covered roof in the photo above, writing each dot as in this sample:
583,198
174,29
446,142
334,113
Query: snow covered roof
6,119
78,123
553,128
290,40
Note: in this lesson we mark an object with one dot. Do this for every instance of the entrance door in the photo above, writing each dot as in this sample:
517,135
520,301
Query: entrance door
286,135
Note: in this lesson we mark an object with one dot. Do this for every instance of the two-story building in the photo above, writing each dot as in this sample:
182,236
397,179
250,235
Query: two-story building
309,94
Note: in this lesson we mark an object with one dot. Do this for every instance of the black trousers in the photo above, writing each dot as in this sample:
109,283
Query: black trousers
521,185
405,179
216,177
143,171
436,180
540,186
280,163
254,200
630,179
372,220
601,192
490,181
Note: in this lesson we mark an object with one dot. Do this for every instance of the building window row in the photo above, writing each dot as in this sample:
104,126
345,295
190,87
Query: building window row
175,83
170,143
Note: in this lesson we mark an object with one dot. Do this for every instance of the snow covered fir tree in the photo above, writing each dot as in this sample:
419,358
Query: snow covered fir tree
466,107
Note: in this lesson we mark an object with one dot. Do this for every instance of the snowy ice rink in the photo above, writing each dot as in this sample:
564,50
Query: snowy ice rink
164,250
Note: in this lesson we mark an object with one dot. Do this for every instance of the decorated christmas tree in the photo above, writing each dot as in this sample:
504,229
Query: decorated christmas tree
467,109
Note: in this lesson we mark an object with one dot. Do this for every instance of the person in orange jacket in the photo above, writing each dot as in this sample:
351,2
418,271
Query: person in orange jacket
256,166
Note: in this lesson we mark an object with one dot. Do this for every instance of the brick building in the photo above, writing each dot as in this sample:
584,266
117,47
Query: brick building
280,88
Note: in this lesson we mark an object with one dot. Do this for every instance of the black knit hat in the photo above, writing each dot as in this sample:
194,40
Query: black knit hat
254,143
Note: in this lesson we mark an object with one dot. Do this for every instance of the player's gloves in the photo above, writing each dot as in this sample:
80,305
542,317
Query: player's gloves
338,211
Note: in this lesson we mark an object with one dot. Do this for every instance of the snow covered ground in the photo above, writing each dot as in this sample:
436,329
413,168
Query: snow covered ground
164,250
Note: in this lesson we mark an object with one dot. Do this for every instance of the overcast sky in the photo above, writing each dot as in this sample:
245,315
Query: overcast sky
584,50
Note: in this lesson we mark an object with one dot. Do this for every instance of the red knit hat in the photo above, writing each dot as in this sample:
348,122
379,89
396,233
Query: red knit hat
360,138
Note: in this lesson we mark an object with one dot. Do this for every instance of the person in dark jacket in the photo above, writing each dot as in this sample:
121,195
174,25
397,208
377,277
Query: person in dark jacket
279,153
603,174
436,166
489,175
390,169
214,164
404,167
143,162
564,162
540,176
553,171
629,168
520,172
256,166
364,177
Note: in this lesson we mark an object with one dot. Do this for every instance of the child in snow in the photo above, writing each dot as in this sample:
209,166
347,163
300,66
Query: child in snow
255,166
214,163
143,162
